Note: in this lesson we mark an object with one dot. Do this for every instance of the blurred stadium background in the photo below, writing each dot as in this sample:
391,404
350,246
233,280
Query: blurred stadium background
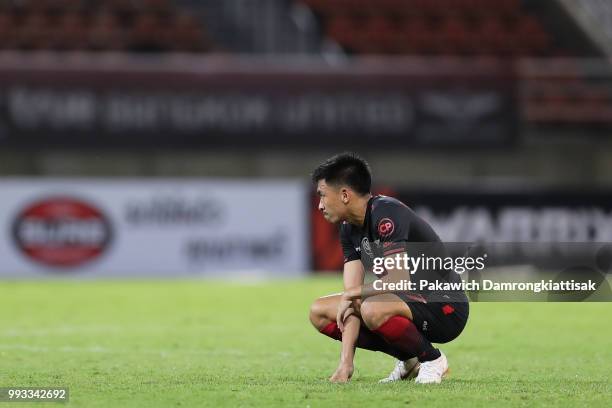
158,138
493,119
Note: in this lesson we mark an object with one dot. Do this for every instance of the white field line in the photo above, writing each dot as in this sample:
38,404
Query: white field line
102,350
94,329
70,330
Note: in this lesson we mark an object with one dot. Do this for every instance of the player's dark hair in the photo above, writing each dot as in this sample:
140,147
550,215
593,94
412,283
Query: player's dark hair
345,169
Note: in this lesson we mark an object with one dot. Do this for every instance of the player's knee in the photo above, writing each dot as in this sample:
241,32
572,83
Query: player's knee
372,314
369,313
317,314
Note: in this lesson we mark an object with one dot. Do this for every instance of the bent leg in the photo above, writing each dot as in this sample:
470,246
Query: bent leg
323,318
390,317
323,310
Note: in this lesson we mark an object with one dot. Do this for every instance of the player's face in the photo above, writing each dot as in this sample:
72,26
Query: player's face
330,202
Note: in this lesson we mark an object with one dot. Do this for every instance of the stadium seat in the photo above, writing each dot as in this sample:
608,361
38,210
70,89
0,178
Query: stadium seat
146,33
34,32
8,31
185,35
71,32
106,33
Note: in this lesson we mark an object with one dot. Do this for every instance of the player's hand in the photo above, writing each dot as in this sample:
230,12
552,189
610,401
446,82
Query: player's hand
343,373
345,309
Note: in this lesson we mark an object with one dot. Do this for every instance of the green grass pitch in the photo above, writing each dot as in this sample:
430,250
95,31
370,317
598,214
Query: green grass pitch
208,343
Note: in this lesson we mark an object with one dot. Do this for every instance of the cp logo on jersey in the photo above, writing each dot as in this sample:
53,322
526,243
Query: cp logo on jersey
385,227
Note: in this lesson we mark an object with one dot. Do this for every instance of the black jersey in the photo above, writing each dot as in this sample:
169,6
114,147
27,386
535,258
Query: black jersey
388,225
391,227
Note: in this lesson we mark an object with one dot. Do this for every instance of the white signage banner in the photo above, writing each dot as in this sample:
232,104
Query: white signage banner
148,228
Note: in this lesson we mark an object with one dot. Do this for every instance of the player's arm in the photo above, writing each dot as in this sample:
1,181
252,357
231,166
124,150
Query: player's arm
353,278
348,321
353,274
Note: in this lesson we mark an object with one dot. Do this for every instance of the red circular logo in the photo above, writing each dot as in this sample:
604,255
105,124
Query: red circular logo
61,231
385,227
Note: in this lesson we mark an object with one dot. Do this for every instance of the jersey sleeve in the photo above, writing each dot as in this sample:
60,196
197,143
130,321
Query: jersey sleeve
349,253
391,223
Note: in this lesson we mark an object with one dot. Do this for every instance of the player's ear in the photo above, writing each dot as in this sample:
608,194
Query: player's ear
345,195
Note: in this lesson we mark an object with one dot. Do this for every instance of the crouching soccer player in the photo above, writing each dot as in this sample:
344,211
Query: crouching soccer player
402,324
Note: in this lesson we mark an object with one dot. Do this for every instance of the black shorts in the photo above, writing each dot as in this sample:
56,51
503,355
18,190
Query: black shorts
439,322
